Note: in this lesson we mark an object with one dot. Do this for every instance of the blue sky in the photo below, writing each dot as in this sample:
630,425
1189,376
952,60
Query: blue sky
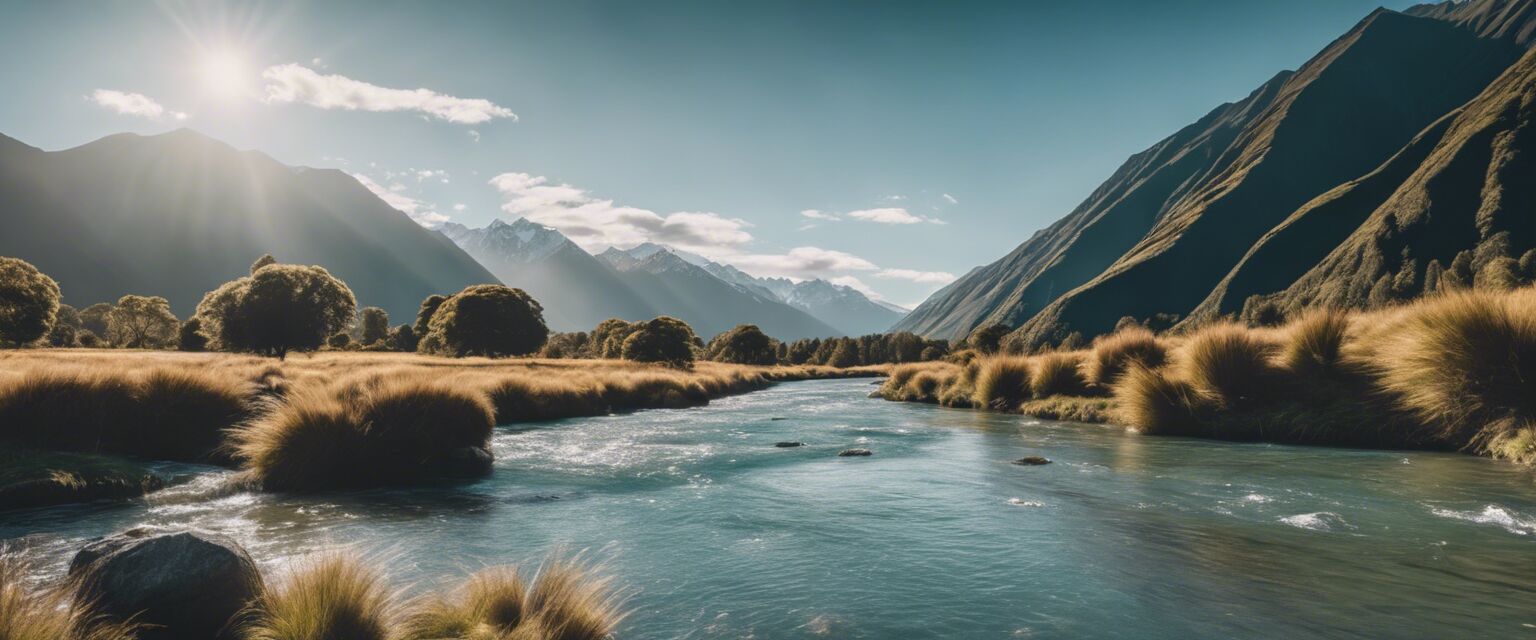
889,145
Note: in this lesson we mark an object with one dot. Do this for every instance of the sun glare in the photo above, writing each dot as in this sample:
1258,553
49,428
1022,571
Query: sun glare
224,74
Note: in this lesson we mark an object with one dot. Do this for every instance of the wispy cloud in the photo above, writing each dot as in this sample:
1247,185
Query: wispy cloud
800,262
816,214
891,215
423,213
596,223
134,104
926,277
290,83
951,199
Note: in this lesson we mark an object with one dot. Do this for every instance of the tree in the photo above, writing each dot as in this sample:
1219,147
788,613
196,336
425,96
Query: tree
263,261
280,308
987,337
666,340
29,302
607,339
845,354
1433,272
339,341
1459,275
66,328
1499,274
142,322
190,337
424,315
403,338
375,325
94,318
488,320
745,344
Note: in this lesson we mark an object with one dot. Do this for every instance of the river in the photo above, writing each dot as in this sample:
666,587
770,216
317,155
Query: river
717,533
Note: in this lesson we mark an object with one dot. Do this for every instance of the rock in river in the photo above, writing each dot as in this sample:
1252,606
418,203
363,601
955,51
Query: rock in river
788,444
181,584
1032,461
848,453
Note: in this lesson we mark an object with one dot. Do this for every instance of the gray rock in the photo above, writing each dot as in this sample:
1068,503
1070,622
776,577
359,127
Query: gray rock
788,444
181,584
849,453
1032,461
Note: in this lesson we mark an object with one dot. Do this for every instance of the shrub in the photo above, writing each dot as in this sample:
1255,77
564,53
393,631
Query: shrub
277,309
333,596
403,338
1002,383
94,318
1230,363
665,340
339,341
66,328
369,433
1152,403
142,322
190,336
264,260
565,601
1315,343
987,338
1115,353
489,320
1499,274
375,323
29,301
745,344
40,613
1057,374
424,315
1467,364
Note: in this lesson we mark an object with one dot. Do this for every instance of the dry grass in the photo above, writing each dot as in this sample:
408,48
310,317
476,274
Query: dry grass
331,596
565,600
330,419
1456,371
48,613
1115,353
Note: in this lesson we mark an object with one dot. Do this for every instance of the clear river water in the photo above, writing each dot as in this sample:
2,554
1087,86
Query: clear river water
718,534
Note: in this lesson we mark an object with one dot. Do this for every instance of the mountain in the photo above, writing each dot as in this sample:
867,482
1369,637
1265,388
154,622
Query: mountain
576,289
178,214
677,287
1162,235
841,306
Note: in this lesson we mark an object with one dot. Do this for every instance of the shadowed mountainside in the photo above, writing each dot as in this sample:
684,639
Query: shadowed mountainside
178,214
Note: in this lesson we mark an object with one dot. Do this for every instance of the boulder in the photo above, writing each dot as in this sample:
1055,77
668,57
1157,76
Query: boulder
465,462
788,444
1032,461
849,453
181,584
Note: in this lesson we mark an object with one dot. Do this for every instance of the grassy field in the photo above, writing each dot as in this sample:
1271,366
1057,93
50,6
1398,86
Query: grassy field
1456,371
330,420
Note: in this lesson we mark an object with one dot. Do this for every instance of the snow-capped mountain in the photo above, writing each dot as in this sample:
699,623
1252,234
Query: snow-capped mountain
843,307
577,290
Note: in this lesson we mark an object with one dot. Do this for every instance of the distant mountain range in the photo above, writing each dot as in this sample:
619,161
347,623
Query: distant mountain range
578,290
1401,144
178,214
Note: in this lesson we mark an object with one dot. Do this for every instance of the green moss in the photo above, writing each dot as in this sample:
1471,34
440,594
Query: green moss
32,478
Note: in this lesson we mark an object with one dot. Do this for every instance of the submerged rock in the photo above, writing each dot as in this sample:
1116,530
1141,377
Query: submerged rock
849,453
182,584
1032,461
776,419
788,444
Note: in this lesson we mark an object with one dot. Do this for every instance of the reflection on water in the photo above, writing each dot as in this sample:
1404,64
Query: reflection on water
722,535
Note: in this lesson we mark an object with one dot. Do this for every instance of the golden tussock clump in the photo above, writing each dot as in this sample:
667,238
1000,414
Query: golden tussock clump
1230,363
1002,383
565,600
1314,344
1058,374
330,596
1113,354
49,613
1152,403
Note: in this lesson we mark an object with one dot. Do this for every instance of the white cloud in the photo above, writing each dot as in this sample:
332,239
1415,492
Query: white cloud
474,135
928,277
891,215
857,285
596,223
431,174
134,104
800,262
818,215
951,199
289,83
460,207
423,213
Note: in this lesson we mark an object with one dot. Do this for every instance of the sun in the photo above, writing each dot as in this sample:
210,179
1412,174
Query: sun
224,74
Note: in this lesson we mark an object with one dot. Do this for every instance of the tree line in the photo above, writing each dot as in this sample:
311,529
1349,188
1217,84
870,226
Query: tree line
280,308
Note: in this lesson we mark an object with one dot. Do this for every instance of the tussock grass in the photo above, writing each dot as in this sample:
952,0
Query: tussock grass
1230,363
49,613
1466,363
330,596
1002,383
1454,371
367,433
1115,353
1058,374
565,600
